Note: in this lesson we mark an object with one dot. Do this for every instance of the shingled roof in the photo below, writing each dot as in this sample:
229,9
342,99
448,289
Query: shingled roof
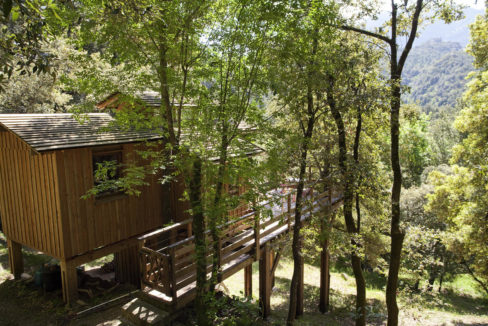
44,132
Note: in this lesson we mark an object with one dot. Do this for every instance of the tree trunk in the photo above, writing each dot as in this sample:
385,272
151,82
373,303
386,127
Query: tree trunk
198,225
397,234
297,238
348,204
297,243
217,210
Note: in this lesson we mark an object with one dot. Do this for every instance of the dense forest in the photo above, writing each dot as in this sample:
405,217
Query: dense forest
399,129
436,74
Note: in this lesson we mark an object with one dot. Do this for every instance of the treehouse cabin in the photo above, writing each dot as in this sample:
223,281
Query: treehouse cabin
47,163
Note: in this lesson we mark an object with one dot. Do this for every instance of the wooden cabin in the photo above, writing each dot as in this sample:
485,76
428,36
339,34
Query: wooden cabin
47,163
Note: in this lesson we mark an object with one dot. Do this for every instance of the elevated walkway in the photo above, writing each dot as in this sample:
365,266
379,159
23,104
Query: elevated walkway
168,272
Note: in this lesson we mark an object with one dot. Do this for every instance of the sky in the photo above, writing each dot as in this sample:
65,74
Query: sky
479,4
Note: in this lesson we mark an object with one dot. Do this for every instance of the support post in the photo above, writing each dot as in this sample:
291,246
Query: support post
265,282
15,258
127,266
271,262
325,266
248,280
69,280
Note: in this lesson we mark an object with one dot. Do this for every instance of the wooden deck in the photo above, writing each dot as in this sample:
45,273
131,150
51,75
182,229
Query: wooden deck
169,271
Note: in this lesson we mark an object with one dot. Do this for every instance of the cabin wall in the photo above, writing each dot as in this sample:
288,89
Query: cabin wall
92,223
29,208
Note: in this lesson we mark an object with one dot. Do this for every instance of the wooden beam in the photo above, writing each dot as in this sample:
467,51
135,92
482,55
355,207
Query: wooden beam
265,282
15,258
104,251
69,280
248,280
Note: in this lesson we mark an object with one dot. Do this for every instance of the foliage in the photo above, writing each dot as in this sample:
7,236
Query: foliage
25,28
36,93
442,136
414,146
435,74
461,197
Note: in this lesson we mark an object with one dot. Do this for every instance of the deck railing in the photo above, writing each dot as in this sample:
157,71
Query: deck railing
171,268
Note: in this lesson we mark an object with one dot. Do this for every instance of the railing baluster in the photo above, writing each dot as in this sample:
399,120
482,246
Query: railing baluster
257,227
289,211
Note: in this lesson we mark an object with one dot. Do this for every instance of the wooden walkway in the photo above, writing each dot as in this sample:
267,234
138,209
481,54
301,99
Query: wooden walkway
168,272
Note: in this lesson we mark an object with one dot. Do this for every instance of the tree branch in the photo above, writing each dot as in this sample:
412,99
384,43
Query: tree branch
411,37
365,32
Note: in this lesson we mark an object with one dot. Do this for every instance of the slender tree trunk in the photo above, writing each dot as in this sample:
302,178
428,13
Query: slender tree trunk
297,238
357,139
198,225
348,203
397,234
217,214
170,209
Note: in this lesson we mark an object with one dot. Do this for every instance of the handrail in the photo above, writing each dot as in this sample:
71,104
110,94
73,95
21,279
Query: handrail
221,226
165,229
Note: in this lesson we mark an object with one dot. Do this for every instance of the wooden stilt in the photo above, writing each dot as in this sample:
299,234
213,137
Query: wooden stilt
127,266
248,281
15,258
271,262
325,268
265,282
69,281
300,290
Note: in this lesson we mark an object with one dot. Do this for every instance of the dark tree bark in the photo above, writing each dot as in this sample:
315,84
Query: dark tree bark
198,225
294,308
357,139
348,204
297,238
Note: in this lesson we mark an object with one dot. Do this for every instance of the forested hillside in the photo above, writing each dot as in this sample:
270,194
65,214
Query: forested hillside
436,74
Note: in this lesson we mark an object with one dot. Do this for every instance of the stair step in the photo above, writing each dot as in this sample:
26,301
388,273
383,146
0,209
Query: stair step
142,313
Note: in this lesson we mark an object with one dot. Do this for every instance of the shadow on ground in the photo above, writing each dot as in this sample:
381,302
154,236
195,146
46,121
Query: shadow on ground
23,304
453,303
342,306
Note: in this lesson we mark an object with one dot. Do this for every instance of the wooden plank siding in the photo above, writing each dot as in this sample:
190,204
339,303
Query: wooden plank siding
95,223
27,197
41,205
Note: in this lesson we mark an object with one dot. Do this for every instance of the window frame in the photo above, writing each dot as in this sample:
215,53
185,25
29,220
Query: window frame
116,150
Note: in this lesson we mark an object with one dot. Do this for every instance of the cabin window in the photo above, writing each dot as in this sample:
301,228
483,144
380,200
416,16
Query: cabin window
107,171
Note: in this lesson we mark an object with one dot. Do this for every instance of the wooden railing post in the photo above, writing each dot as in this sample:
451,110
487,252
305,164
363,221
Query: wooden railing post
257,230
248,280
219,275
172,275
289,211
265,282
